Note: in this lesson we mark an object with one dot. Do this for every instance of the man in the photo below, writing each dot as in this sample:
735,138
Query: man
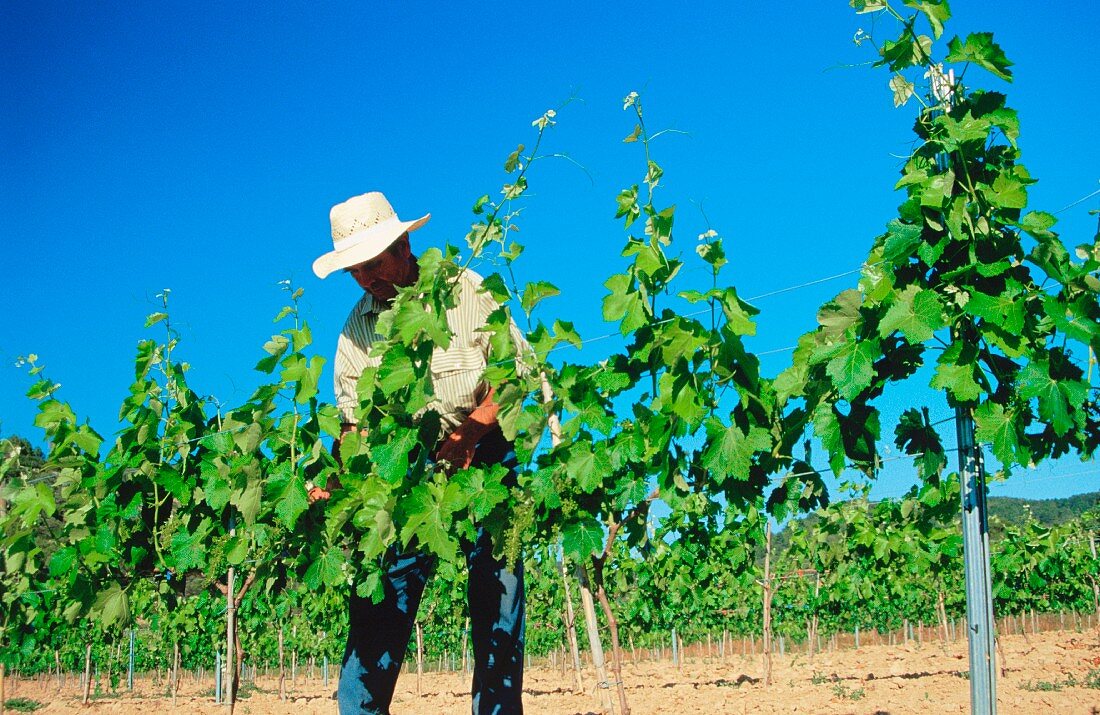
371,244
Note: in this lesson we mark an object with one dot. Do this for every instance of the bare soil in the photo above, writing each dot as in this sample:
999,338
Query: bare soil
1040,673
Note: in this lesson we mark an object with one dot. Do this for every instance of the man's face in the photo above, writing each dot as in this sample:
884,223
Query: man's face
383,274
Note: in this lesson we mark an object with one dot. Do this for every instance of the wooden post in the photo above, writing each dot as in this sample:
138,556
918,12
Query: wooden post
1095,585
57,662
419,657
218,680
942,611
465,650
282,668
768,603
588,605
110,665
130,670
175,672
230,635
3,677
571,628
87,673
813,620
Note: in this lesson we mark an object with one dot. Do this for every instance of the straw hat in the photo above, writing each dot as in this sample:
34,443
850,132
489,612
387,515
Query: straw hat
362,227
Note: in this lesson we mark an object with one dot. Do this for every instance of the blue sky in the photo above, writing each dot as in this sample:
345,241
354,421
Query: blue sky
199,148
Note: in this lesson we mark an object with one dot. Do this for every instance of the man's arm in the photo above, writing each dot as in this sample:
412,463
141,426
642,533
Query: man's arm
458,447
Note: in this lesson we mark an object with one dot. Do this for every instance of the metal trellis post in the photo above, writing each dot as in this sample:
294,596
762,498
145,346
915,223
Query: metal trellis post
975,522
979,590
130,673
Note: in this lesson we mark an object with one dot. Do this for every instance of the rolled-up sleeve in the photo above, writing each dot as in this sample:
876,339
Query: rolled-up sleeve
352,357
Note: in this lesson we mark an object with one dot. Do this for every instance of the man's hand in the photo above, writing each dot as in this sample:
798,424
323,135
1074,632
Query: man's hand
458,449
315,493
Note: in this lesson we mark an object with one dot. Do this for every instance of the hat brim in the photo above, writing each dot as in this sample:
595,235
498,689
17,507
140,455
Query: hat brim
370,244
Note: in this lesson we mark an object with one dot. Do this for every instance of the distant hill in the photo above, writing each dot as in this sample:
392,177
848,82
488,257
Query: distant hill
1049,512
1002,510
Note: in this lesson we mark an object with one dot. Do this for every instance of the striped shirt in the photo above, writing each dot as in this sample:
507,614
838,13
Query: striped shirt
456,372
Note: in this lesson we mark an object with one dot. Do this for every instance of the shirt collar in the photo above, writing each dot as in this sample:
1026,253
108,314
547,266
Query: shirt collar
369,304
366,304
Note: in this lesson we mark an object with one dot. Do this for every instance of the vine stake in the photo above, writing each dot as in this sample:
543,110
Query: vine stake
175,672
130,672
230,646
87,673
282,667
767,584
419,658
571,629
594,644
1095,585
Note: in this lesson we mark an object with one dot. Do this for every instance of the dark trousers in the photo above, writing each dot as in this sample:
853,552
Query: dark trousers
378,633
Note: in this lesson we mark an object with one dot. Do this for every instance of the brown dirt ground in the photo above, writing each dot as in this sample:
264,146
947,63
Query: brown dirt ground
873,680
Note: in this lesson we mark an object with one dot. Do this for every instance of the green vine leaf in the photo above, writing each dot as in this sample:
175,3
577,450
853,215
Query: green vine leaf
958,380
535,293
112,605
936,12
853,368
327,570
997,427
980,49
428,520
625,304
730,450
916,313
1059,399
582,538
902,88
